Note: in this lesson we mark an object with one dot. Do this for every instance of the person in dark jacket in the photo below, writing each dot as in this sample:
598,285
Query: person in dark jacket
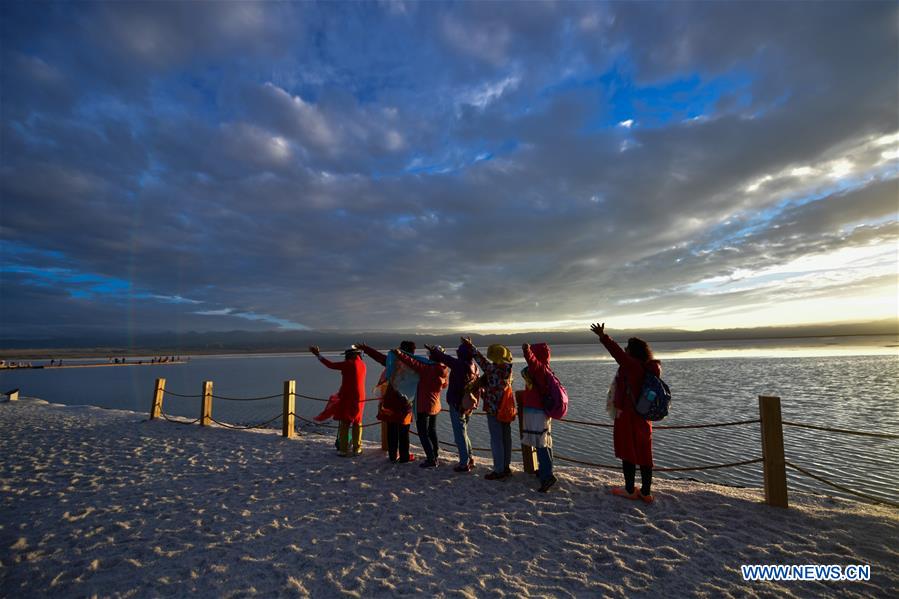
632,433
394,409
463,371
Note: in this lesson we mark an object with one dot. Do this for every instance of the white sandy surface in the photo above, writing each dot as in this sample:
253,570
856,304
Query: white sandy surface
101,502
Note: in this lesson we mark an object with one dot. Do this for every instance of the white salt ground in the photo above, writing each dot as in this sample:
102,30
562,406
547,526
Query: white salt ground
100,502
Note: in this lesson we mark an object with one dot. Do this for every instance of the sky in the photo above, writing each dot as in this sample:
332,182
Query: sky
481,167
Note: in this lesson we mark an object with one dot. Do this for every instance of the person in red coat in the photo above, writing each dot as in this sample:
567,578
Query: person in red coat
632,433
433,378
347,404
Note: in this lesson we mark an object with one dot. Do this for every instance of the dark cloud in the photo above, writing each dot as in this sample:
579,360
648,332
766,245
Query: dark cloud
432,165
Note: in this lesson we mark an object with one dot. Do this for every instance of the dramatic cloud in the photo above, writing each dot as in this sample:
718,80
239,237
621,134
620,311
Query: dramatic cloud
478,166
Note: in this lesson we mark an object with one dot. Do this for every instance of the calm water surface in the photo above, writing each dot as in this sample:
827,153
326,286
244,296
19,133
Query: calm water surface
835,383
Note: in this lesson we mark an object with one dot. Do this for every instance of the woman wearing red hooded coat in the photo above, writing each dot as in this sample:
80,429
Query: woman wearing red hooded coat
347,404
632,433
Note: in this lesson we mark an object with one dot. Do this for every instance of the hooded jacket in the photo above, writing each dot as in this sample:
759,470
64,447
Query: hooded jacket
537,357
463,370
433,379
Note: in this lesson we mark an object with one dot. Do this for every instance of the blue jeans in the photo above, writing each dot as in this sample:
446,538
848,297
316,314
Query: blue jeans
500,443
427,435
460,432
544,463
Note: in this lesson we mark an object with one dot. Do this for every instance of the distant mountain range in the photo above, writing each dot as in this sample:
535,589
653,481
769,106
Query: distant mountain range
292,341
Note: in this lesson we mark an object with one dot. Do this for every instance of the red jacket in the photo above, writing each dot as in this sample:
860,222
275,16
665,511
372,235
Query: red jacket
351,396
393,408
632,434
537,358
432,378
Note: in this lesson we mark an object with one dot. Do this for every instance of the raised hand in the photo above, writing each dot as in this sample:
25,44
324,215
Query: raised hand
525,347
429,347
599,329
314,349
467,341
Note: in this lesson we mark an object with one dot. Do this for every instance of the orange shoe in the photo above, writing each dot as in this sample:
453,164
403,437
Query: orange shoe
622,492
644,498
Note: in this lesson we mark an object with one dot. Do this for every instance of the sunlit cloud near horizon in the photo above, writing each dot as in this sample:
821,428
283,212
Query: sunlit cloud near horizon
479,167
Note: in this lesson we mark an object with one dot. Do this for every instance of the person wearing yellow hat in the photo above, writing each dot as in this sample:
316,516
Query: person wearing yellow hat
495,383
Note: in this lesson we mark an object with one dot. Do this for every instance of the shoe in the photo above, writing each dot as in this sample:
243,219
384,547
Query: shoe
347,454
412,458
544,487
622,492
428,464
357,451
507,472
493,476
462,467
393,460
470,463
645,498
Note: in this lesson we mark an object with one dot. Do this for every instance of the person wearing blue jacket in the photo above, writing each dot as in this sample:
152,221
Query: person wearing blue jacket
463,371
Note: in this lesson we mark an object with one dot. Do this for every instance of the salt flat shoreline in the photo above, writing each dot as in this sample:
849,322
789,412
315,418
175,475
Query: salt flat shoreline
103,502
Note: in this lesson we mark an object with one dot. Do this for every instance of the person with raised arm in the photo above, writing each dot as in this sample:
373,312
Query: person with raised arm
347,404
394,409
494,382
536,425
463,371
432,380
632,433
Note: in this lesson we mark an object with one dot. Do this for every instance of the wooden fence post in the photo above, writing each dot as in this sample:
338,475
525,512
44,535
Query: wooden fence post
528,454
156,407
383,436
290,388
773,460
206,407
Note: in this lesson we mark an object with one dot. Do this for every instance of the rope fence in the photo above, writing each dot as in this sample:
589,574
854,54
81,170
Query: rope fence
823,480
770,421
842,430
246,398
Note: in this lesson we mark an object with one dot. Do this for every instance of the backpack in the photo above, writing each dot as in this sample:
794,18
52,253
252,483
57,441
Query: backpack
555,400
654,399
507,411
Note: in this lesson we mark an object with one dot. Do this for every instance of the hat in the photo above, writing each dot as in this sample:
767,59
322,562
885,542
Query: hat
498,353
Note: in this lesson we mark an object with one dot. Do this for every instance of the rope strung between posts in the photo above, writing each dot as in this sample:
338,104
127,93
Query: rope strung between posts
166,416
448,444
677,426
842,430
247,398
167,392
841,487
247,427
685,469
310,397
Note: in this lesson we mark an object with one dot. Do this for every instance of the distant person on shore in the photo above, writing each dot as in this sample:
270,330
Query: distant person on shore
494,384
394,410
432,380
347,405
536,425
463,371
632,433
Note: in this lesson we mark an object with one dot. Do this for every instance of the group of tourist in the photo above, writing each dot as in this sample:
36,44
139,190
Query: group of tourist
471,379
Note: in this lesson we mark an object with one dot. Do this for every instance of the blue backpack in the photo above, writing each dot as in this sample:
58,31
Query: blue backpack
654,399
